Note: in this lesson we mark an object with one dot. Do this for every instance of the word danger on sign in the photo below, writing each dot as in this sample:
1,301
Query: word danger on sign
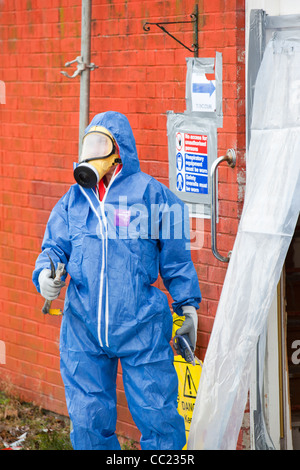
191,163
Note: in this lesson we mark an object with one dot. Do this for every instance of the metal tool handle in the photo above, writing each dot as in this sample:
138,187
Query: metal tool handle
230,158
184,348
46,306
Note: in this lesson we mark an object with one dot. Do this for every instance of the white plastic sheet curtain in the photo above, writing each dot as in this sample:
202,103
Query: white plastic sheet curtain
270,212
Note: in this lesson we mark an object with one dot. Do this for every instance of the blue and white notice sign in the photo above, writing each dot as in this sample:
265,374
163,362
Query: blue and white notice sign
203,93
191,163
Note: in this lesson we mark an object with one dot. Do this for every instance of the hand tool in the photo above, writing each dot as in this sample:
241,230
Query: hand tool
56,275
183,347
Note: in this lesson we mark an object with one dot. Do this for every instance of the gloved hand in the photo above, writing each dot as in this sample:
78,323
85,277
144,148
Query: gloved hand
49,289
190,324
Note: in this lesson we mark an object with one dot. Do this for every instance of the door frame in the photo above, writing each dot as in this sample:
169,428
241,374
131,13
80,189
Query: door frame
267,16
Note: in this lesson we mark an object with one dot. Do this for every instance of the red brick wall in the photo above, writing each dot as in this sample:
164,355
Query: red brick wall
140,74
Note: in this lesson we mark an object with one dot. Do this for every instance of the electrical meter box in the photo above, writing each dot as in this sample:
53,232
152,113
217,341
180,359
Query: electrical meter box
192,135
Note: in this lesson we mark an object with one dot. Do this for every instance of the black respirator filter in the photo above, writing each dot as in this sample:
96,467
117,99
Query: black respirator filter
86,175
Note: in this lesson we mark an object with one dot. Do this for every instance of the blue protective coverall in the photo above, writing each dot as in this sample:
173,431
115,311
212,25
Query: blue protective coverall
113,251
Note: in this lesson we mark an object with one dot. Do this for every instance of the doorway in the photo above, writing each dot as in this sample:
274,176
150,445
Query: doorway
292,302
282,360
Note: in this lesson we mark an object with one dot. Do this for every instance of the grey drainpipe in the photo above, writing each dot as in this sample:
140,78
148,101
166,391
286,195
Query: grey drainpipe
83,68
85,76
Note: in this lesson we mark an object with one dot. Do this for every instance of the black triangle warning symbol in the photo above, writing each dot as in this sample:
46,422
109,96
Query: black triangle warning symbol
189,389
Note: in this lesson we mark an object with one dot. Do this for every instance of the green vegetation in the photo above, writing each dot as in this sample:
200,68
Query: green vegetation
39,429
43,430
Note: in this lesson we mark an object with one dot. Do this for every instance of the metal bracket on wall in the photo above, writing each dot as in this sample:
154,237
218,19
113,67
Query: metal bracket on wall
194,20
81,66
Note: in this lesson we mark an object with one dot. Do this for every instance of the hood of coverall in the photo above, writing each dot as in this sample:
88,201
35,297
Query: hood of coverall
118,125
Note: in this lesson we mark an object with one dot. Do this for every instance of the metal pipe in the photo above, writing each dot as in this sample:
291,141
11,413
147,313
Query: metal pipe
84,109
230,158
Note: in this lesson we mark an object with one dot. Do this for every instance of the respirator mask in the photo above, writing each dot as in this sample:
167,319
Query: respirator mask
98,156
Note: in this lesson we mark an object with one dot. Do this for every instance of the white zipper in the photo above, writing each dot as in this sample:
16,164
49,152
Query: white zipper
101,271
114,176
104,255
104,261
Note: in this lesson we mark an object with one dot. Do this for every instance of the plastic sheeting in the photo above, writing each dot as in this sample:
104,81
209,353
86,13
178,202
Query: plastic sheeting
262,438
268,221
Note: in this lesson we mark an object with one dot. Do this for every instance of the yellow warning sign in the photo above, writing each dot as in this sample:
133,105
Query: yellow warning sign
188,382
189,388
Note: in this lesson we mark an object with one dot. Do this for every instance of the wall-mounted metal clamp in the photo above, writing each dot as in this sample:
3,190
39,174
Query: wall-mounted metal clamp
194,20
230,158
81,66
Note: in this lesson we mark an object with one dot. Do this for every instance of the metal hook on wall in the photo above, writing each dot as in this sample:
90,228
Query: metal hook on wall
194,20
81,66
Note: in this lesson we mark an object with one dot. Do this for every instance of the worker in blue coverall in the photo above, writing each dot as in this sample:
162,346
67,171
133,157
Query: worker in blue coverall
113,250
